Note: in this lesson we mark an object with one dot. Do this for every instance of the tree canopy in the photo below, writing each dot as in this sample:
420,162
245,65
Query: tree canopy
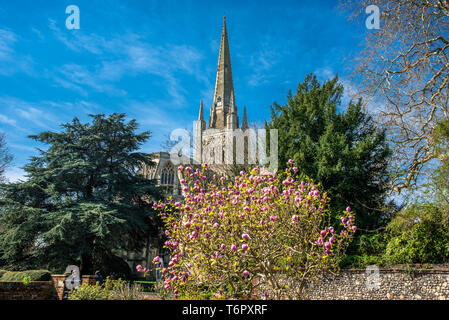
341,149
403,69
84,199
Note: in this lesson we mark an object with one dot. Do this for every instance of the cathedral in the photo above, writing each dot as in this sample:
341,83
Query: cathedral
209,139
210,144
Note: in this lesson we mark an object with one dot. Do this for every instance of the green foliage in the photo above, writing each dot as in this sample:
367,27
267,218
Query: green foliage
147,286
161,292
110,290
26,280
369,248
32,275
419,234
438,186
343,150
362,261
84,199
90,292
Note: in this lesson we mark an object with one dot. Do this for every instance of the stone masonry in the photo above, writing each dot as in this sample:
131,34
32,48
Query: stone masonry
391,284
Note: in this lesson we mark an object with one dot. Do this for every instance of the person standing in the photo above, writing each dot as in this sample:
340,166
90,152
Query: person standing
98,277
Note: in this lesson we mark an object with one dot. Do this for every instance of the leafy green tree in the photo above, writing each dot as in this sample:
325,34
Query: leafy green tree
83,201
438,185
343,150
419,234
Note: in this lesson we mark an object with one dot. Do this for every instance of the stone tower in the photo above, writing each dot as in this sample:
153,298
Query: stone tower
210,143
223,113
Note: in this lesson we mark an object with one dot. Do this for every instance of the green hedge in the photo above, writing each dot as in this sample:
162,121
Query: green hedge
35,275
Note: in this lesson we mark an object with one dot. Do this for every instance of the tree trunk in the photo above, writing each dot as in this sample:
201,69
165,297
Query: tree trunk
86,266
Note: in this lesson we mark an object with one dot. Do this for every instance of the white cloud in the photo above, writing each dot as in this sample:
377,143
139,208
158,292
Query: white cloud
262,63
32,112
15,174
76,76
12,62
6,120
7,40
128,55
350,90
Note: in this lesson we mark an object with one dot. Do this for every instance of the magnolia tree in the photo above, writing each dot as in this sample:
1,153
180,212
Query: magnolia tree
263,234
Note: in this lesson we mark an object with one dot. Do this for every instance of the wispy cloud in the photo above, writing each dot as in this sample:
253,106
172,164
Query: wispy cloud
12,62
21,111
79,76
7,40
6,120
350,91
262,63
15,174
154,114
126,55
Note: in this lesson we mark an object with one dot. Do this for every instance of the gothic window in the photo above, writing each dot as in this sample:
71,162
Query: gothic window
148,172
168,174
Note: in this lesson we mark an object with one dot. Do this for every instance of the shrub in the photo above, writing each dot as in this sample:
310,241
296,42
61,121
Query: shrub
147,286
110,290
362,261
32,275
419,234
26,280
234,238
370,249
89,292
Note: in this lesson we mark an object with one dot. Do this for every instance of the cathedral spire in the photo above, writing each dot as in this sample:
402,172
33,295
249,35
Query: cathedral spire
245,120
224,89
201,117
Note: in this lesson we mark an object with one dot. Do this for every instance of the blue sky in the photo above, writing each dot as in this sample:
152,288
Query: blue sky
155,61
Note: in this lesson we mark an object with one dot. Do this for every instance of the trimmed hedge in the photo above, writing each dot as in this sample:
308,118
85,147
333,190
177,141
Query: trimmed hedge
2,272
35,275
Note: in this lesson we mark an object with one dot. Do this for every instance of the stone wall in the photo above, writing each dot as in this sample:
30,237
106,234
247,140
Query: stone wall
35,290
58,283
391,284
38,290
